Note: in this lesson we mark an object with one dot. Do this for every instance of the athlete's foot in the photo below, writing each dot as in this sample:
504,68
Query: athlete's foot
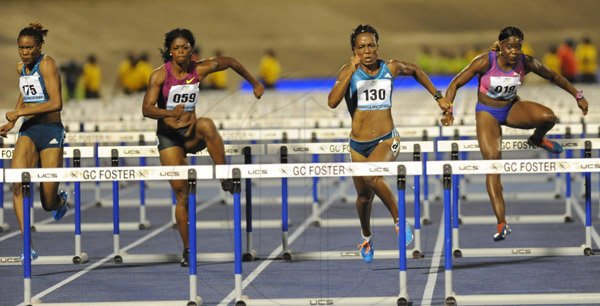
503,231
409,234
548,145
61,211
34,255
185,258
366,251
227,185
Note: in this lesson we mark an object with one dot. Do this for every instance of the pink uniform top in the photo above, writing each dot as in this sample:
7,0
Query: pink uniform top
499,84
184,91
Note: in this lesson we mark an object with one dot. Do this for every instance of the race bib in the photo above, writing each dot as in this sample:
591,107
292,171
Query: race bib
31,88
374,94
504,87
183,94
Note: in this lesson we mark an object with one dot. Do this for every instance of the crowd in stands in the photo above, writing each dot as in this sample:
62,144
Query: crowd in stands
576,61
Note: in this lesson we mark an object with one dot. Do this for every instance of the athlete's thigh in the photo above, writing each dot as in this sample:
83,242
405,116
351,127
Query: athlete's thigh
527,115
386,150
361,187
25,154
489,135
51,158
174,156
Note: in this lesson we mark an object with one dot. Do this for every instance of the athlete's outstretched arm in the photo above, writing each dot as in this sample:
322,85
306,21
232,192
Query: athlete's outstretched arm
535,66
477,65
405,68
149,109
49,72
223,62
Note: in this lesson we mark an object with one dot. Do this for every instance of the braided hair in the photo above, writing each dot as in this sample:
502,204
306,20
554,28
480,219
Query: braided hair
35,30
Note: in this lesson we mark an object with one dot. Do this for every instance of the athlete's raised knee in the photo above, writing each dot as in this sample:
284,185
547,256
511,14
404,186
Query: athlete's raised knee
205,126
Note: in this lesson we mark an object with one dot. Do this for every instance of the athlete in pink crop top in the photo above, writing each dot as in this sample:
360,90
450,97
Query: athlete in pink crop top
171,98
500,74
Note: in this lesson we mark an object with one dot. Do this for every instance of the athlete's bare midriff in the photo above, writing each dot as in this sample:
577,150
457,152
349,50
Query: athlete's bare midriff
183,121
367,125
483,98
52,117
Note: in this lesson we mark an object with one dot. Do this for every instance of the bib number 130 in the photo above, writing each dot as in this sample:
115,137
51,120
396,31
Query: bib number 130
374,94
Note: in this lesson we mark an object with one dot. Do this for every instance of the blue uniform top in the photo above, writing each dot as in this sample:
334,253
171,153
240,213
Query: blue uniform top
32,85
367,92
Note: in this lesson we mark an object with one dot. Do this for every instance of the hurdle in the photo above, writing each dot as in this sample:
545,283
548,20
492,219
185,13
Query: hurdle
416,148
398,169
457,146
450,169
28,176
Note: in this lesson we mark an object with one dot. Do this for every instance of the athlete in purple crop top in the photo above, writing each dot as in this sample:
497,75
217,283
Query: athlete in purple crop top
500,74
171,98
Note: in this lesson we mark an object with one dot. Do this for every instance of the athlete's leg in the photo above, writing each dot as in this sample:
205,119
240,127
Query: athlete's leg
51,158
175,156
489,136
528,115
385,151
205,129
25,155
364,197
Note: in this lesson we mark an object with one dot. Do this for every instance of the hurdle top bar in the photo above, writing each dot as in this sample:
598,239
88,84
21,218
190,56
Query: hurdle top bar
508,166
471,130
516,144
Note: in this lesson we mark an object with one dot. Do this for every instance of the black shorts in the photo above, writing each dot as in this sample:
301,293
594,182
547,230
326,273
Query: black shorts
176,138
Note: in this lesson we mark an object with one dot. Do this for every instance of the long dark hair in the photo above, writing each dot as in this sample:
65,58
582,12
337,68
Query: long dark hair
170,36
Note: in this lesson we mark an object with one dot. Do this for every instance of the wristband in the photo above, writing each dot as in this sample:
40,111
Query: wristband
437,95
579,95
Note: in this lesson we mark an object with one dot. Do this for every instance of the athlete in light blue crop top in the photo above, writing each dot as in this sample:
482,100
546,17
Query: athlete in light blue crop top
41,135
366,82
500,75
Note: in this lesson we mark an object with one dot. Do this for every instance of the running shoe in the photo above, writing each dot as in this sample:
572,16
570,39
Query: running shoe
61,211
366,251
34,255
503,231
409,234
548,145
227,185
185,258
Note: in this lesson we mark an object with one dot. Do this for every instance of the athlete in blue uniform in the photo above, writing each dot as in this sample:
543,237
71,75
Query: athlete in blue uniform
366,82
42,134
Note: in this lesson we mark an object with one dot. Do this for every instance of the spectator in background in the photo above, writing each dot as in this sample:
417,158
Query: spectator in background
551,60
196,54
126,75
568,62
426,60
92,77
218,79
527,49
141,73
586,54
71,72
269,69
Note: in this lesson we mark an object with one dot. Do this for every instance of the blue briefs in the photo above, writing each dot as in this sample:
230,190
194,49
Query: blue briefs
44,135
500,113
365,148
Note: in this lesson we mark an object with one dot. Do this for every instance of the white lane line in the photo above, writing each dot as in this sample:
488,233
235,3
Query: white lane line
145,238
306,224
436,263
578,207
71,211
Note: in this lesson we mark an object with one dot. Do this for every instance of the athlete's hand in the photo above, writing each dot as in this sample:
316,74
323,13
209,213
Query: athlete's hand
447,119
354,62
583,105
258,90
444,105
5,128
177,111
12,116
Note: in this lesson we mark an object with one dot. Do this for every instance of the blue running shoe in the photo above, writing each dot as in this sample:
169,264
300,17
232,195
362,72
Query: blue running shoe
61,211
548,145
366,251
409,234
34,255
503,231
